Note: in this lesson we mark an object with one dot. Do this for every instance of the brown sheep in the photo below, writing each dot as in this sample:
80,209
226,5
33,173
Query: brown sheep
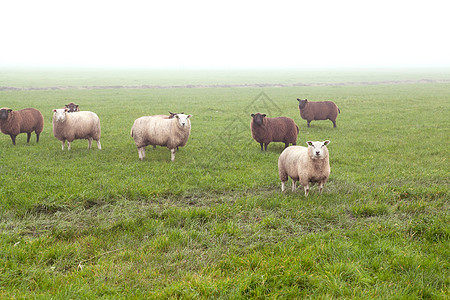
266,130
321,110
13,122
72,107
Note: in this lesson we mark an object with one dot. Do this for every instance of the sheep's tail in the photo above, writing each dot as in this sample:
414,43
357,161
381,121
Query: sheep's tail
298,130
339,110
131,133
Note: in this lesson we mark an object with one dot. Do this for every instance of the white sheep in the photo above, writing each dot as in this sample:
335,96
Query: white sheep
76,125
154,130
305,164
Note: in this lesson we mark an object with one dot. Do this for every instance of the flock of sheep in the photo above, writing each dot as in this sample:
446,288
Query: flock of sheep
303,164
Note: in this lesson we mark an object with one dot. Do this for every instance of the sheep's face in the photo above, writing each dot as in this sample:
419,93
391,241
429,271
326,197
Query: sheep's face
183,119
317,150
302,103
258,118
72,107
4,112
59,115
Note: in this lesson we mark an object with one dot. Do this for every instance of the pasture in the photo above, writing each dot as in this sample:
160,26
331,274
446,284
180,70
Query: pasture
101,224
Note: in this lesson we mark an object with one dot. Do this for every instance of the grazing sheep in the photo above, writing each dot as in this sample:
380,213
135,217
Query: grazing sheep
171,133
321,110
76,125
72,107
266,130
13,122
305,164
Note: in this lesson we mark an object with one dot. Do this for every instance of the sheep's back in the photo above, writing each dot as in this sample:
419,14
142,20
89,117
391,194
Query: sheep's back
79,125
151,130
283,129
322,110
291,158
28,120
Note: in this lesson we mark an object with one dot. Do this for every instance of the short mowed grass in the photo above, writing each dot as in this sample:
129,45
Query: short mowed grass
100,224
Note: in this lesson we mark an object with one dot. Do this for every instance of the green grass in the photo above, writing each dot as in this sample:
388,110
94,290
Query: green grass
214,223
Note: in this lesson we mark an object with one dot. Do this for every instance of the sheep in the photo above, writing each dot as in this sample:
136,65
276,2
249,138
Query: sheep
13,122
76,125
72,107
321,110
171,133
305,164
266,130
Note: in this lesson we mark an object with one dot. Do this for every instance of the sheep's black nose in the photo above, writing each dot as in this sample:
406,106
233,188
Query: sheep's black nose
317,152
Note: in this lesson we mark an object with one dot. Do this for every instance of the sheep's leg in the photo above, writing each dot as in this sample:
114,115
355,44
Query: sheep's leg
28,137
306,188
286,145
62,143
265,146
89,143
320,187
68,145
334,123
294,187
154,146
99,146
172,152
141,152
261,144
37,137
13,138
283,186
308,123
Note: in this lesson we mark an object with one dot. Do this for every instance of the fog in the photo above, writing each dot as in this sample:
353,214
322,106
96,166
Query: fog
225,34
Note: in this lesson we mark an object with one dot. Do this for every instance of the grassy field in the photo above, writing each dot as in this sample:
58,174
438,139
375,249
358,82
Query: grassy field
90,224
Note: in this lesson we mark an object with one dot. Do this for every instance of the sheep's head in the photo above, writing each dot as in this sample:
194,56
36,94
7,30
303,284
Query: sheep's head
4,112
172,115
183,120
258,118
318,150
59,115
302,103
72,107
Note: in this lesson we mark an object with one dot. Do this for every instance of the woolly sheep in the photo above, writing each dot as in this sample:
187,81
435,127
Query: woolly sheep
266,130
321,110
76,125
170,133
72,107
305,164
13,122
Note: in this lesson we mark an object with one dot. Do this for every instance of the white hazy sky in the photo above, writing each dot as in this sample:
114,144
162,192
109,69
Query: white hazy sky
225,34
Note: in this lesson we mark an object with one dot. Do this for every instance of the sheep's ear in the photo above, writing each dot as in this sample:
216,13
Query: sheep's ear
309,143
326,142
54,110
188,116
10,110
264,115
252,115
298,100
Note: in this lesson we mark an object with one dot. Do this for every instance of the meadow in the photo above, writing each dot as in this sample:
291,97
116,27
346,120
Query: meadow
100,224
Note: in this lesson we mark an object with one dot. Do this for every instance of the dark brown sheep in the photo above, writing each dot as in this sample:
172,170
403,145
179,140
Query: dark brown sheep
13,122
72,107
321,110
266,130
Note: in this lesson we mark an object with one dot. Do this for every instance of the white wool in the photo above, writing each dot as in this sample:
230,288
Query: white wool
76,125
305,164
154,130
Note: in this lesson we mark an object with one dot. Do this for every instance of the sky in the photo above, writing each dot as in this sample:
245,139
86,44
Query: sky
225,34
